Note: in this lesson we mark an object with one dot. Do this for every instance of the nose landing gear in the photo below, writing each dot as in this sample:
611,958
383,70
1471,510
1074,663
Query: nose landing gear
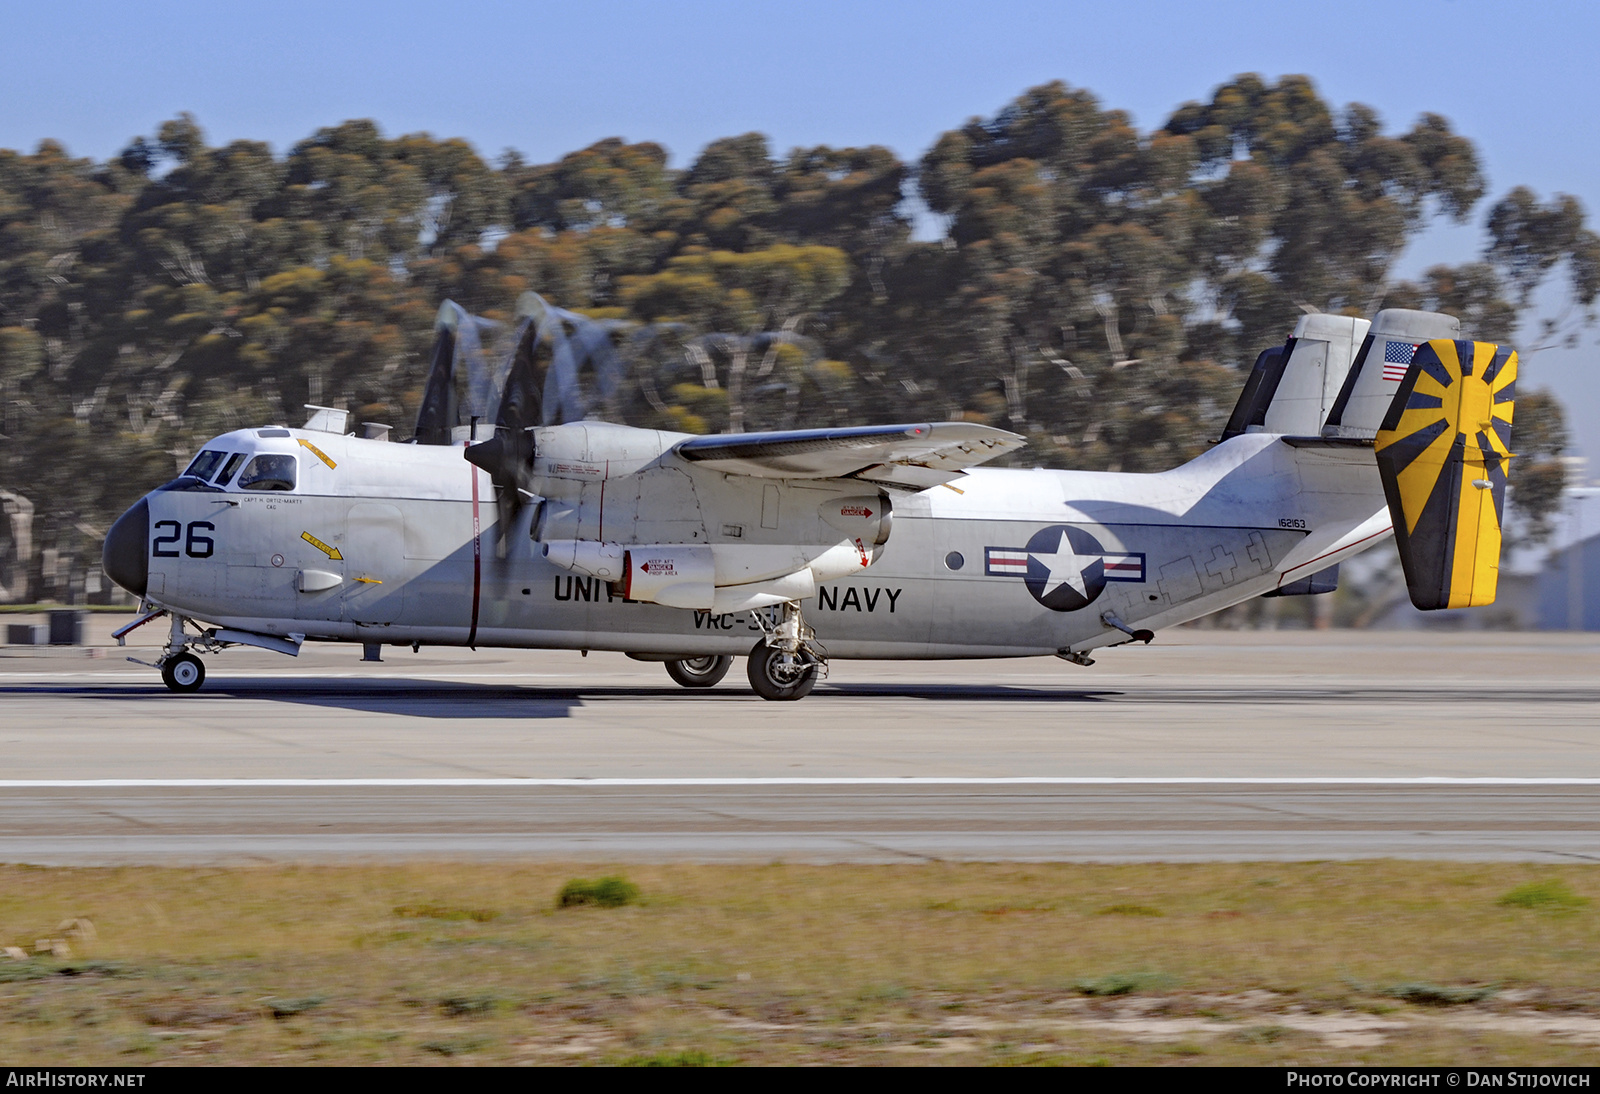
181,670
183,673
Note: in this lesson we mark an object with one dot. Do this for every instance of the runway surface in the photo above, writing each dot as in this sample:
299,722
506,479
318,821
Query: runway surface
1345,736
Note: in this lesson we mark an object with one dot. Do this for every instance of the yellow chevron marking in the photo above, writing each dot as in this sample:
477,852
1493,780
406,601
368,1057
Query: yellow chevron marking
1420,476
1507,374
317,452
331,552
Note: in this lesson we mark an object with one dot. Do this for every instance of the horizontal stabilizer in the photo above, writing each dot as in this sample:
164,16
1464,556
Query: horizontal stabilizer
1443,452
1323,581
913,456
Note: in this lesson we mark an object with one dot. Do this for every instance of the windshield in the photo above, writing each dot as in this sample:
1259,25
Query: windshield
205,465
233,465
268,473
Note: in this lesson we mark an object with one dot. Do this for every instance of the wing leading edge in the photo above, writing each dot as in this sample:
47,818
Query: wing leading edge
909,456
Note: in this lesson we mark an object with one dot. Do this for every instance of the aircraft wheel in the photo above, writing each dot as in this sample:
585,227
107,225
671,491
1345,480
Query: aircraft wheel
183,673
778,677
699,672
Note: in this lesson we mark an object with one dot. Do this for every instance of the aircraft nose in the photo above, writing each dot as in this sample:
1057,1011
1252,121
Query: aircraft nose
125,557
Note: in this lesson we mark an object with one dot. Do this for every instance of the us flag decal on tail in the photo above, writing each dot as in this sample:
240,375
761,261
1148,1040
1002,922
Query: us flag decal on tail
1396,359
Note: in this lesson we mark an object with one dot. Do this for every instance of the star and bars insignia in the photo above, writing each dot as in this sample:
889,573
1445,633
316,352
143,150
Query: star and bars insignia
1064,567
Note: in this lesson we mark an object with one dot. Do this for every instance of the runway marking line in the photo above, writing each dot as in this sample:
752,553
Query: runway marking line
903,780
312,675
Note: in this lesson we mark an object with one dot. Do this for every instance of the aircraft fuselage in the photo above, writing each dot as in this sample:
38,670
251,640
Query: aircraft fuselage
395,544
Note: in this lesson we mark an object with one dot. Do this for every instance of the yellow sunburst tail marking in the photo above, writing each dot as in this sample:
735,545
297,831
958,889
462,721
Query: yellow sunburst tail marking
1443,452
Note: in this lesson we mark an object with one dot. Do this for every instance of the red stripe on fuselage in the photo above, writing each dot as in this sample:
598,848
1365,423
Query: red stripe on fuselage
477,561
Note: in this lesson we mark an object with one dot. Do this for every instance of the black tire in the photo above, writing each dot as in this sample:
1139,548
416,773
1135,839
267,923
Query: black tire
773,679
183,673
699,672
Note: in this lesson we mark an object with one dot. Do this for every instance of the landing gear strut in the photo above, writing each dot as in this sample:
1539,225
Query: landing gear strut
181,670
787,663
699,672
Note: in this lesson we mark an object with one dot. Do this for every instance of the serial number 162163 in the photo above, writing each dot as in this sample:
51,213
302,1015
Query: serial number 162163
1291,522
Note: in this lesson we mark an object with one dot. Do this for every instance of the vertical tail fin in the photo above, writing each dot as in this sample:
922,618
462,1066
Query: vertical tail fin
1371,382
1443,451
1293,386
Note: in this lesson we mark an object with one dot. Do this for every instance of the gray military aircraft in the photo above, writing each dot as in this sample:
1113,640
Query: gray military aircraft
554,531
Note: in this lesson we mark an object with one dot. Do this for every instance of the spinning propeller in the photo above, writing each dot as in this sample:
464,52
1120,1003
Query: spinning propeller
560,366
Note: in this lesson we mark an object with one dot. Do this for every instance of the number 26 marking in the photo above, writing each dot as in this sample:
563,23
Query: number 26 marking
194,545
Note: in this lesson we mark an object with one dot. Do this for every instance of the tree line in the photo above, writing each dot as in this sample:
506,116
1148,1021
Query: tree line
1094,287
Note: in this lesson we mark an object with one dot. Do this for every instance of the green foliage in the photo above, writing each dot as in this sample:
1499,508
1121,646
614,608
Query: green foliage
1538,476
1439,995
21,353
12,972
1098,288
455,1046
1554,895
468,1006
607,892
289,1008
1123,983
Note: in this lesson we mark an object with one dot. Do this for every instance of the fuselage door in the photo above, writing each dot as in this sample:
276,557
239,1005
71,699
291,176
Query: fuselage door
374,563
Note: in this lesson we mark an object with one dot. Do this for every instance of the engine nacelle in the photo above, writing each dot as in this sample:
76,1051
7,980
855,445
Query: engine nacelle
586,556
865,517
677,575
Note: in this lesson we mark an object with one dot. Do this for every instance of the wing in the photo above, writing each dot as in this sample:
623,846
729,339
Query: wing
910,456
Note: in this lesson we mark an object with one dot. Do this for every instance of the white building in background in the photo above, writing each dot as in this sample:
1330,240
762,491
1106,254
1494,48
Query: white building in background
1556,586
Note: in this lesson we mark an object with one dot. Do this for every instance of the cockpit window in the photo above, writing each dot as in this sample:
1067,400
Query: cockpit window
232,465
268,473
205,465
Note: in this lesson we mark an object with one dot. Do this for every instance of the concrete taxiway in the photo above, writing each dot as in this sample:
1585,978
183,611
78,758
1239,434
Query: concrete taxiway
1207,745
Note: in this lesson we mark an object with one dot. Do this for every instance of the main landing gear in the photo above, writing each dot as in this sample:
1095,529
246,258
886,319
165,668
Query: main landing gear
778,675
699,672
787,663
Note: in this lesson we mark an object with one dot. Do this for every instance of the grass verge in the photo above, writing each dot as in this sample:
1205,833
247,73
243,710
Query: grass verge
1391,962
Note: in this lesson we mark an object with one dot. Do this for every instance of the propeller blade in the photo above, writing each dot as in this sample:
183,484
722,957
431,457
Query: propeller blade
584,368
520,403
440,411
508,457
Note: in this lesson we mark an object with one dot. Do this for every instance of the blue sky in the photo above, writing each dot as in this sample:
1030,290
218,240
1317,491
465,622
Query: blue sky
546,79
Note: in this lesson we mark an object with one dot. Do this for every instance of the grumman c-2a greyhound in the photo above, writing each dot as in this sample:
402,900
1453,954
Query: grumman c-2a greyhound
554,532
